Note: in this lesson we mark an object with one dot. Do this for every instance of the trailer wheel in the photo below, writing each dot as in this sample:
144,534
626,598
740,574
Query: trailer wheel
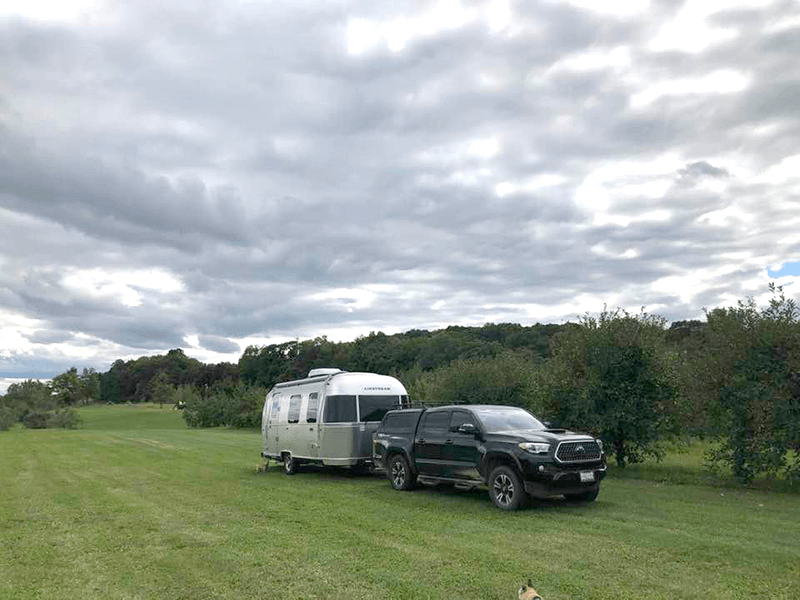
399,473
290,466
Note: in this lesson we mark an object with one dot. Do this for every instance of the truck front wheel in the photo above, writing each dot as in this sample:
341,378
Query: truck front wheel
505,488
399,473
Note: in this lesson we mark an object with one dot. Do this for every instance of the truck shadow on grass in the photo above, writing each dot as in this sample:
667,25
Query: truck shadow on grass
479,496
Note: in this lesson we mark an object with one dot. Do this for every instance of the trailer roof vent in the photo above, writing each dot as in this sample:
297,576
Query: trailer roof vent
317,372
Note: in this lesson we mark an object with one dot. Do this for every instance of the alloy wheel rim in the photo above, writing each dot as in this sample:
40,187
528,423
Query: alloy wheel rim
503,489
398,474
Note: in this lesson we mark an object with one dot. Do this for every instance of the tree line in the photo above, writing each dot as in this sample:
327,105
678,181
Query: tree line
632,379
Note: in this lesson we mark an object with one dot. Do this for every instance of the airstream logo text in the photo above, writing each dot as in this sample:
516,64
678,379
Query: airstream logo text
377,389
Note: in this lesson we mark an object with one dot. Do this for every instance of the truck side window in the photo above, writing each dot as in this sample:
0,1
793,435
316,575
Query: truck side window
436,421
311,409
294,408
340,409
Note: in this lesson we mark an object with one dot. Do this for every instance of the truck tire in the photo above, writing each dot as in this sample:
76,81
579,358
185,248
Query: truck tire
399,473
290,465
583,496
505,488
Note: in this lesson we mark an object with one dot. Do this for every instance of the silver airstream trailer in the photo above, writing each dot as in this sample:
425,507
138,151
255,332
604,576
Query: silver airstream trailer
327,418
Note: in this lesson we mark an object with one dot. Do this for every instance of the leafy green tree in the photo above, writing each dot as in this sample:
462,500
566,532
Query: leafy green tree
507,379
749,375
89,383
29,396
161,389
67,387
6,418
611,376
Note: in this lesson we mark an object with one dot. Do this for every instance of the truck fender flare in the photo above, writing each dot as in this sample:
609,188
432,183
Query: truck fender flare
395,450
499,457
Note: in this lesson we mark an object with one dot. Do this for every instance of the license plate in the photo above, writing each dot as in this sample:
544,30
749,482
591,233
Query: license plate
587,476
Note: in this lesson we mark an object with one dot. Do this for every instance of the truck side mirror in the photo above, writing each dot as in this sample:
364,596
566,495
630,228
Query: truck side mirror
467,429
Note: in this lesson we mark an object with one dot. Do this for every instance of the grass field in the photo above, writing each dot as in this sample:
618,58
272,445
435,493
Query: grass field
136,505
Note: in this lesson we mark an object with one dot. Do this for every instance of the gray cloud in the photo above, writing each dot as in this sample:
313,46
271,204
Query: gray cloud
236,173
218,344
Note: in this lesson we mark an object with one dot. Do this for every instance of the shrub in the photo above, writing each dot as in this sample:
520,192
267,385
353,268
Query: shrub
6,418
35,420
66,418
244,406
509,378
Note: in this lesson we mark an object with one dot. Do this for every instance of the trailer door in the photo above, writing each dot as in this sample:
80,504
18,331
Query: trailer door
273,435
312,423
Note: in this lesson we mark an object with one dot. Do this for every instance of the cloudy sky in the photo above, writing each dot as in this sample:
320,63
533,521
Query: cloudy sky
208,175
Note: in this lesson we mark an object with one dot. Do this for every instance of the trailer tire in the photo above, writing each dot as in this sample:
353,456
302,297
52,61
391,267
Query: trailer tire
399,473
290,465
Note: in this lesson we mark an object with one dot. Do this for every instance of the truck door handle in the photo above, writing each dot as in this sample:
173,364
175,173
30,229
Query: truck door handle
420,441
448,441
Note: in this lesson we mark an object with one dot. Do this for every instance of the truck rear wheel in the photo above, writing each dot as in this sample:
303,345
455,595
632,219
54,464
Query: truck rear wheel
399,473
505,488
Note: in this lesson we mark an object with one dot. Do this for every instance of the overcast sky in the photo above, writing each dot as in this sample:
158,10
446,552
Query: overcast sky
208,175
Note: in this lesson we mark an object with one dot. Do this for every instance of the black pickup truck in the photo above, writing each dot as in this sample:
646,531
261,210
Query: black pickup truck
503,448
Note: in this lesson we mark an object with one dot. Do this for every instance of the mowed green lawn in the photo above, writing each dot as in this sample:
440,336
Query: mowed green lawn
136,505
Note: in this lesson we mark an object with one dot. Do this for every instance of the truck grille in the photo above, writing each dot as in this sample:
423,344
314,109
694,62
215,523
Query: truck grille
578,451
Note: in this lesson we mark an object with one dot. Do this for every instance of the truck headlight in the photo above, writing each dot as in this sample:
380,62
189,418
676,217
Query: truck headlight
600,443
535,447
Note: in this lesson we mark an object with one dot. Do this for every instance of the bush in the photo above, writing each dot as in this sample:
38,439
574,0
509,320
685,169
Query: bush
244,406
239,406
509,378
35,420
197,411
66,418
6,418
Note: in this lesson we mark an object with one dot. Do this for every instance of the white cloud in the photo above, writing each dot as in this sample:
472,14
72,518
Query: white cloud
396,33
616,8
124,286
50,10
596,59
718,82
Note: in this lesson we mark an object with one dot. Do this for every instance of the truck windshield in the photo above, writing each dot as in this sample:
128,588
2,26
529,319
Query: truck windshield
507,419
372,408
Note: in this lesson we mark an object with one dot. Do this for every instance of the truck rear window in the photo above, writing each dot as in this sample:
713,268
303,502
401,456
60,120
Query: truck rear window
400,422
372,408
340,409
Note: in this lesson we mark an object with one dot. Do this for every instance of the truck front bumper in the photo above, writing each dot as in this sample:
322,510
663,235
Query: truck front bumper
554,481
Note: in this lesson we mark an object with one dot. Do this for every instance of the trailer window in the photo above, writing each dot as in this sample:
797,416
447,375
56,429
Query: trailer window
372,408
294,408
340,409
276,406
311,409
